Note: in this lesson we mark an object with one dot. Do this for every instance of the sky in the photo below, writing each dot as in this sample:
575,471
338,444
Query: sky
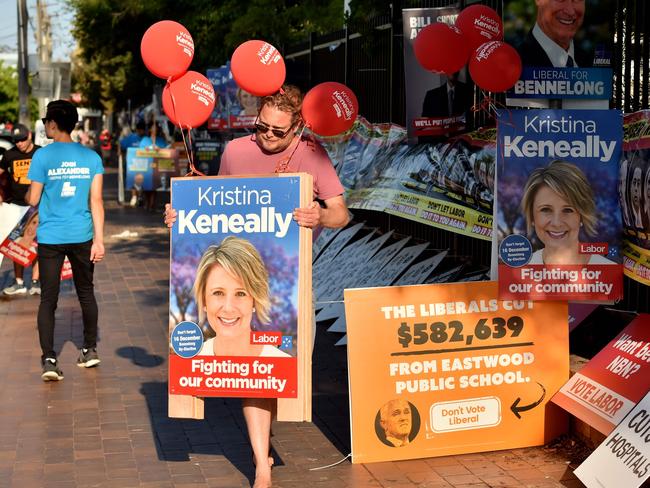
61,18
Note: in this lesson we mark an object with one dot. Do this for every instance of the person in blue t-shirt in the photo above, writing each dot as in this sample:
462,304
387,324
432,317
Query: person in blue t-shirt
153,134
134,138
66,184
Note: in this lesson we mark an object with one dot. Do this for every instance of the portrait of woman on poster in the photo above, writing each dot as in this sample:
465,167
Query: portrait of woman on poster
622,192
27,237
636,183
646,202
249,103
231,285
559,205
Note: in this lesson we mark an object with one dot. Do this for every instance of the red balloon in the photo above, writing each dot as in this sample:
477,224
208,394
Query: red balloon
479,24
495,66
258,68
167,49
330,108
441,47
189,100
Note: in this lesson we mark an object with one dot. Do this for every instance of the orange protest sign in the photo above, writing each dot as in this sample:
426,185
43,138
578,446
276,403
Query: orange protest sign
448,369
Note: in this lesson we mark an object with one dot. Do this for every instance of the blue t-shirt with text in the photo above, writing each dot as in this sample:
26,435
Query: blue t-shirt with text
66,170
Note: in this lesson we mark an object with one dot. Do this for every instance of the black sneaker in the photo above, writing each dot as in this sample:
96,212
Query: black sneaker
88,358
51,371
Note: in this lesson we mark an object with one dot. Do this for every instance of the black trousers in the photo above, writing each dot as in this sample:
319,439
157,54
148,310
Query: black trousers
50,258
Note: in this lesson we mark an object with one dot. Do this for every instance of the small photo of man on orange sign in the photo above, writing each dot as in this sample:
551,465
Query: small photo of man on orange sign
397,423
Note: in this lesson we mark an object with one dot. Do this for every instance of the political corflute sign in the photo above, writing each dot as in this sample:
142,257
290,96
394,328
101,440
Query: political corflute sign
557,211
237,286
607,388
449,369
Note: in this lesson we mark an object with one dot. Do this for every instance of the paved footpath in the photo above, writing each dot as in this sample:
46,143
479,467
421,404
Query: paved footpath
108,426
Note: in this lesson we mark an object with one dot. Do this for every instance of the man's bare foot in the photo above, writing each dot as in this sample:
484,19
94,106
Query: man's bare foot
262,477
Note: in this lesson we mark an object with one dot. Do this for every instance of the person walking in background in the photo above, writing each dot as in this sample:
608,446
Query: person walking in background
106,146
66,180
15,163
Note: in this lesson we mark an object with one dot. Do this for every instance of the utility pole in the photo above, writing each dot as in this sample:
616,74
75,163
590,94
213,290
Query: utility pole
23,86
44,50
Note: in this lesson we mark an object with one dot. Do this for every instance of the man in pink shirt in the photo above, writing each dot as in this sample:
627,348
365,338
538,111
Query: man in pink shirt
278,147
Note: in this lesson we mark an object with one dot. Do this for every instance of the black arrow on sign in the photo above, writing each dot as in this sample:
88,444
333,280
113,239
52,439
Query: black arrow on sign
516,409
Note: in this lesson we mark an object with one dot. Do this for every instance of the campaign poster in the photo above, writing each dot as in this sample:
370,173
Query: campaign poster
609,385
243,109
151,169
207,155
558,217
634,193
239,302
20,245
565,49
623,458
218,117
437,370
436,104
10,215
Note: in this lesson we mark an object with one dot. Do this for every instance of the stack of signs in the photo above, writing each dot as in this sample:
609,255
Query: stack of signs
557,211
240,312
607,387
634,189
623,458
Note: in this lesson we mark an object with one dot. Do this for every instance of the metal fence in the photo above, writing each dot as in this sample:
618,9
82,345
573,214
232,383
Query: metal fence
370,62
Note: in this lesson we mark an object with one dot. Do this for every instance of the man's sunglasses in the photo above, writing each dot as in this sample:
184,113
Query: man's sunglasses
280,134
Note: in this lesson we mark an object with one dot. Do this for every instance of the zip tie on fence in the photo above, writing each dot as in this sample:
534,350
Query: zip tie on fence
329,302
331,465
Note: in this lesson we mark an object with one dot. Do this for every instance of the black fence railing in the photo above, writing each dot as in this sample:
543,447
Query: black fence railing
370,62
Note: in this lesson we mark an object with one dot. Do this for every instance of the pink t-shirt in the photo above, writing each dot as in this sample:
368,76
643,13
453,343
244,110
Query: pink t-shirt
243,156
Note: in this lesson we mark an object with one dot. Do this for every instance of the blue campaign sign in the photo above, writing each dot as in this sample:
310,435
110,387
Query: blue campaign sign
575,83
558,213
239,264
258,209
139,163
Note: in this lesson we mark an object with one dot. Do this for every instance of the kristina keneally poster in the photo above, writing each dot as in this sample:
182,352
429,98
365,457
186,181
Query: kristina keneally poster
220,342
557,211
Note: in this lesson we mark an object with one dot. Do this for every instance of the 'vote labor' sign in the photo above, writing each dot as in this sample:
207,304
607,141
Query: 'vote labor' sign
607,388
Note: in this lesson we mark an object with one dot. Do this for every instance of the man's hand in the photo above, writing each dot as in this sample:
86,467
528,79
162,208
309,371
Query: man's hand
97,252
308,216
170,215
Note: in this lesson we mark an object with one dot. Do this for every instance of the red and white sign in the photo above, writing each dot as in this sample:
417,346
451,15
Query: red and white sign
623,458
234,376
609,386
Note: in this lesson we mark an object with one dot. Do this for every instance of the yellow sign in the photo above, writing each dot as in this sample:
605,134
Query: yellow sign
448,369
440,213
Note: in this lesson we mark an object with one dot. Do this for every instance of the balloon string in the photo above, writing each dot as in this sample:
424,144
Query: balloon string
188,150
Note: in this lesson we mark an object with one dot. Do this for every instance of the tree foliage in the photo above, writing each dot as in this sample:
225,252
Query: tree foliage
9,95
109,70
